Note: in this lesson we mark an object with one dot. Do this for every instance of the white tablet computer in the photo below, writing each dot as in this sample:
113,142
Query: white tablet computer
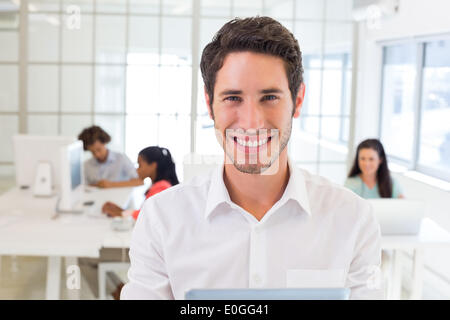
269,294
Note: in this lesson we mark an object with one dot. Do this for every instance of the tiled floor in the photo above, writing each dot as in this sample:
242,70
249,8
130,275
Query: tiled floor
6,183
24,278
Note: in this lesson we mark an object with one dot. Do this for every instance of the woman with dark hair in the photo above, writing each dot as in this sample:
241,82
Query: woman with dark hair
369,176
155,163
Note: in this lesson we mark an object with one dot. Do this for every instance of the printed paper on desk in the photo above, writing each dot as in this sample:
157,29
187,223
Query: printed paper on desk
315,278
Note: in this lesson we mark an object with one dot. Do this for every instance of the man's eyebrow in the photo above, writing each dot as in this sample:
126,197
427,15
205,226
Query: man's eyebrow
230,91
265,91
271,90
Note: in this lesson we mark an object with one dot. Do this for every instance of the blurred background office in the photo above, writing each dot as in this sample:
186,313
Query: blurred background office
373,69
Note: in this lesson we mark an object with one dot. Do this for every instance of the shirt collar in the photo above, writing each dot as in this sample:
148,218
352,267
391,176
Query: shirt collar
217,193
295,190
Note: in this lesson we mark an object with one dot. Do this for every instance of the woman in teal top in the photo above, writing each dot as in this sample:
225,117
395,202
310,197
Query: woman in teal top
369,176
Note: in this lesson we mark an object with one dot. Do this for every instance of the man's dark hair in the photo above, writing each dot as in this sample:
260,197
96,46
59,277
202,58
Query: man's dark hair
92,134
256,34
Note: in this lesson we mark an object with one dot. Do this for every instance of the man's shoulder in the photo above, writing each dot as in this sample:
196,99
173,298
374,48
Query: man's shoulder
90,162
118,156
181,198
330,195
322,184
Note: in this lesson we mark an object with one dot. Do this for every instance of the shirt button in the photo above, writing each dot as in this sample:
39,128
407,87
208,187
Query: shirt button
257,279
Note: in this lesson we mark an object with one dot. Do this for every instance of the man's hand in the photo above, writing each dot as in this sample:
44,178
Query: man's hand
112,209
119,184
105,184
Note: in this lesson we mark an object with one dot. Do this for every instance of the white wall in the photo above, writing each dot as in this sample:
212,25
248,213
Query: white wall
415,18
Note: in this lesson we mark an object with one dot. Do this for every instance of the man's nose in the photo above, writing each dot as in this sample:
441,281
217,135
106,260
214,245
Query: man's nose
251,115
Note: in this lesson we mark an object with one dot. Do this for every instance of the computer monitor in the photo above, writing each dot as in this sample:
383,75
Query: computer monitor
31,152
269,294
398,216
71,177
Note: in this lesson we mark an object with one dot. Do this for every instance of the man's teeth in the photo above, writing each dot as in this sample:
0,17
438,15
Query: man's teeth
253,144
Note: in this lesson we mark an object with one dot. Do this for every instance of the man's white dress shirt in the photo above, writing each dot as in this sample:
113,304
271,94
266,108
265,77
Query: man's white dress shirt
192,235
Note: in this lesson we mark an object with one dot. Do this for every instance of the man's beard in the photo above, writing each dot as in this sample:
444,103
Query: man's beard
260,168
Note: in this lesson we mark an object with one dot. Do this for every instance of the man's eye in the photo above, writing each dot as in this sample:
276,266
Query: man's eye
233,98
270,97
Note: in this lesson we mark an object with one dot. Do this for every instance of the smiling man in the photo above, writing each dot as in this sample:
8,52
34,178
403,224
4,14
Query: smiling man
257,221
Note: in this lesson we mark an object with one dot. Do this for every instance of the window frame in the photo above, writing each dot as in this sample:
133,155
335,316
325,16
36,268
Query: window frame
420,45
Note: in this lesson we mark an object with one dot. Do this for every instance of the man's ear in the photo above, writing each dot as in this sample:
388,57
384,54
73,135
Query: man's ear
299,100
208,104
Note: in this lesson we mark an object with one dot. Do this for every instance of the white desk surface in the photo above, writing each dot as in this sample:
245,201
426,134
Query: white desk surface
26,227
430,235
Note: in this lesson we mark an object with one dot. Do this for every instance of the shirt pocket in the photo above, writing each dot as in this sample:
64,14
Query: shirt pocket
315,278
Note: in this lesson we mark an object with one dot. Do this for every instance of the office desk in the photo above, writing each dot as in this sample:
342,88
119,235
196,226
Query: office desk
26,228
430,235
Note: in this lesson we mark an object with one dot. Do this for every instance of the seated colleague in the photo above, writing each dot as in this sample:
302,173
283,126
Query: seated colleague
106,168
257,221
155,163
369,176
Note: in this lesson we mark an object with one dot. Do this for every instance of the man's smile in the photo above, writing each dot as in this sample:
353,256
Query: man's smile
251,143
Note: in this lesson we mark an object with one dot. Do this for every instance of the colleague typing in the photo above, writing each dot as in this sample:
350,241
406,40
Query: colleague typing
155,163
106,168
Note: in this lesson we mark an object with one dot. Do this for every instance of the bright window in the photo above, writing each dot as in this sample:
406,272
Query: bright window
397,117
411,104
435,112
